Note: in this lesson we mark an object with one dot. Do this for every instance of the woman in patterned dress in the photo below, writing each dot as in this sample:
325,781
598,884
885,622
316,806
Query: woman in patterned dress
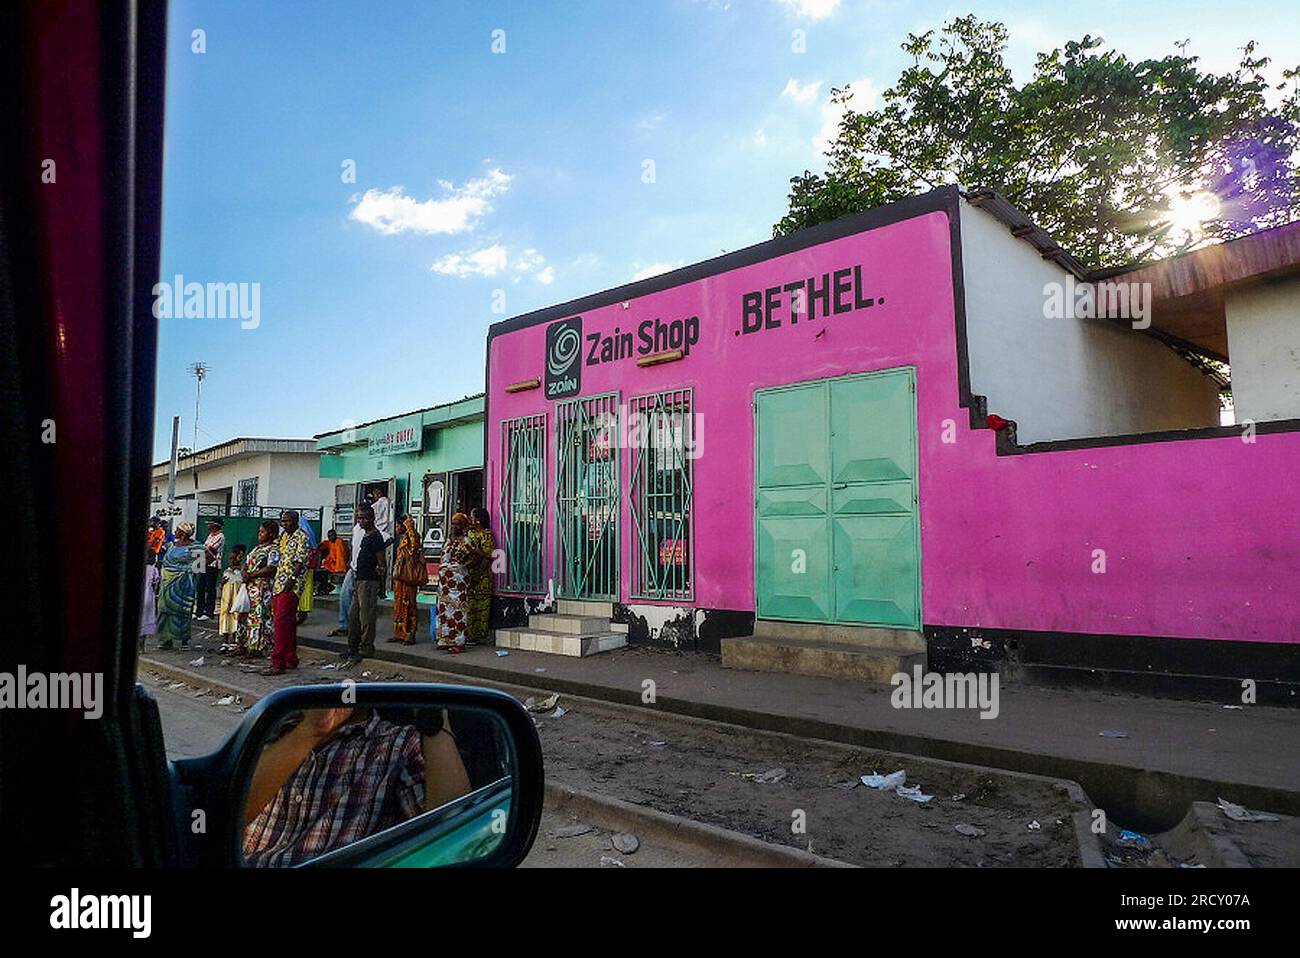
176,597
480,576
256,627
407,569
453,586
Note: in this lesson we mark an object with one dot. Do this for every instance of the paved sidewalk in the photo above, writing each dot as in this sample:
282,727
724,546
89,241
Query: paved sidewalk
1174,752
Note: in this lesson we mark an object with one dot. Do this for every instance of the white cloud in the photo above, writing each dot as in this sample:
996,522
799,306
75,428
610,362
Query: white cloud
494,259
391,211
801,93
528,261
812,9
487,261
654,269
760,137
651,121
531,261
864,98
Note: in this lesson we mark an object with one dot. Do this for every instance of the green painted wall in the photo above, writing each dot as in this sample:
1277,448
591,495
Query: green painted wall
445,450
452,441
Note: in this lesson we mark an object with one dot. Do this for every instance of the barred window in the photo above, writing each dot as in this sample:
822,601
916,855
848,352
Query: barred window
661,441
523,503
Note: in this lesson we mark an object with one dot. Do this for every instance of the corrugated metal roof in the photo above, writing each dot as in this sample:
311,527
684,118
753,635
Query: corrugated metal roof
238,448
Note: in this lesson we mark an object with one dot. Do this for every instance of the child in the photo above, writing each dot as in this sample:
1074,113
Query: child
231,580
149,604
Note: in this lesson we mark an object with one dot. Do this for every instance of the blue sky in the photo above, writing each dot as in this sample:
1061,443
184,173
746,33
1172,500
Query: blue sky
489,184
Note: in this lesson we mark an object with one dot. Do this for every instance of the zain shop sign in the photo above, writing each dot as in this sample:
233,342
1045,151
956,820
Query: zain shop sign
405,435
567,350
803,299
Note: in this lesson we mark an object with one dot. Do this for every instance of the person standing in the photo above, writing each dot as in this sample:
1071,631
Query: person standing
256,626
453,585
480,576
213,547
308,589
383,513
409,573
345,590
231,582
176,597
288,582
367,578
149,604
157,538
384,524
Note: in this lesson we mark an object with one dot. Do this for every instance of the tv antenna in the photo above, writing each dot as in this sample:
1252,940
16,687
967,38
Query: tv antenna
199,371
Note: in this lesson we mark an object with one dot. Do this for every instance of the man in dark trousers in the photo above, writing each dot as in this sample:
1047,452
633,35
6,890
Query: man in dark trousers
368,579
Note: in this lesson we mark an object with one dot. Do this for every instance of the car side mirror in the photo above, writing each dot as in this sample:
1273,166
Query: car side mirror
366,775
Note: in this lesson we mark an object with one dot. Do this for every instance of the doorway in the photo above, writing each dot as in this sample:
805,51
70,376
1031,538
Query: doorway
837,537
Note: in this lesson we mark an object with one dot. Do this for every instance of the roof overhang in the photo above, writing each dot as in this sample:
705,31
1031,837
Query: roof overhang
1188,291
459,412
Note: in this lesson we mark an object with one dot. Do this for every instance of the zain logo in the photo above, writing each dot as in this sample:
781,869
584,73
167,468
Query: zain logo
563,352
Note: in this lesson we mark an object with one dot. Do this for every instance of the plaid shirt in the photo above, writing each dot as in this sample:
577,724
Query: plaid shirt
363,779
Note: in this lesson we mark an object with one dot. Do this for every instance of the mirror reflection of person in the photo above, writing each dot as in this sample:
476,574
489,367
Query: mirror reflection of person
342,774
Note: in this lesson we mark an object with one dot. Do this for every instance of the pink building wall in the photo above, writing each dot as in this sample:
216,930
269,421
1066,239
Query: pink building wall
1201,536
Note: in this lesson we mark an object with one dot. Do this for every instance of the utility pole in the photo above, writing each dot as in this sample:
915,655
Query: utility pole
171,471
198,370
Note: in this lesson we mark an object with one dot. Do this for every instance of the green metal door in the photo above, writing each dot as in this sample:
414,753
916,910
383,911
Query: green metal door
587,497
836,502
794,580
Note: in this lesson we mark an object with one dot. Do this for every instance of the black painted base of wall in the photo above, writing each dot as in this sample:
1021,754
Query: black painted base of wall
687,629
1211,670
512,611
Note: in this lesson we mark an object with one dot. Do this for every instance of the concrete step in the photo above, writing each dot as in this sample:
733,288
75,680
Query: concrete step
815,657
861,636
570,624
584,607
558,643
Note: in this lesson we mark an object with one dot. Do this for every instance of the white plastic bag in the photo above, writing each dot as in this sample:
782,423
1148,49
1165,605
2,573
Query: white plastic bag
241,603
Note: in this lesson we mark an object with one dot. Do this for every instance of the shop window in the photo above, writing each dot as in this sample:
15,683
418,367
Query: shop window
523,503
661,434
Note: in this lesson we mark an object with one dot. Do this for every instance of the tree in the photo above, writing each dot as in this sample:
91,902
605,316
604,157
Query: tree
1120,160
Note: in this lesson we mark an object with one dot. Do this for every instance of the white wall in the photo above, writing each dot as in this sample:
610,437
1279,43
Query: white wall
1264,348
1064,378
295,481
283,479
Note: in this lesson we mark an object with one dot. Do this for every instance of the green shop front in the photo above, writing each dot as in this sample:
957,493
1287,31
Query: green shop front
429,462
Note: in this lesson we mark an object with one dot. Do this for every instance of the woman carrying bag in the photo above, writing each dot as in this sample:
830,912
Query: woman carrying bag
409,573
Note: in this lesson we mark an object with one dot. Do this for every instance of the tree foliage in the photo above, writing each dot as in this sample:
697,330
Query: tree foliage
1096,148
